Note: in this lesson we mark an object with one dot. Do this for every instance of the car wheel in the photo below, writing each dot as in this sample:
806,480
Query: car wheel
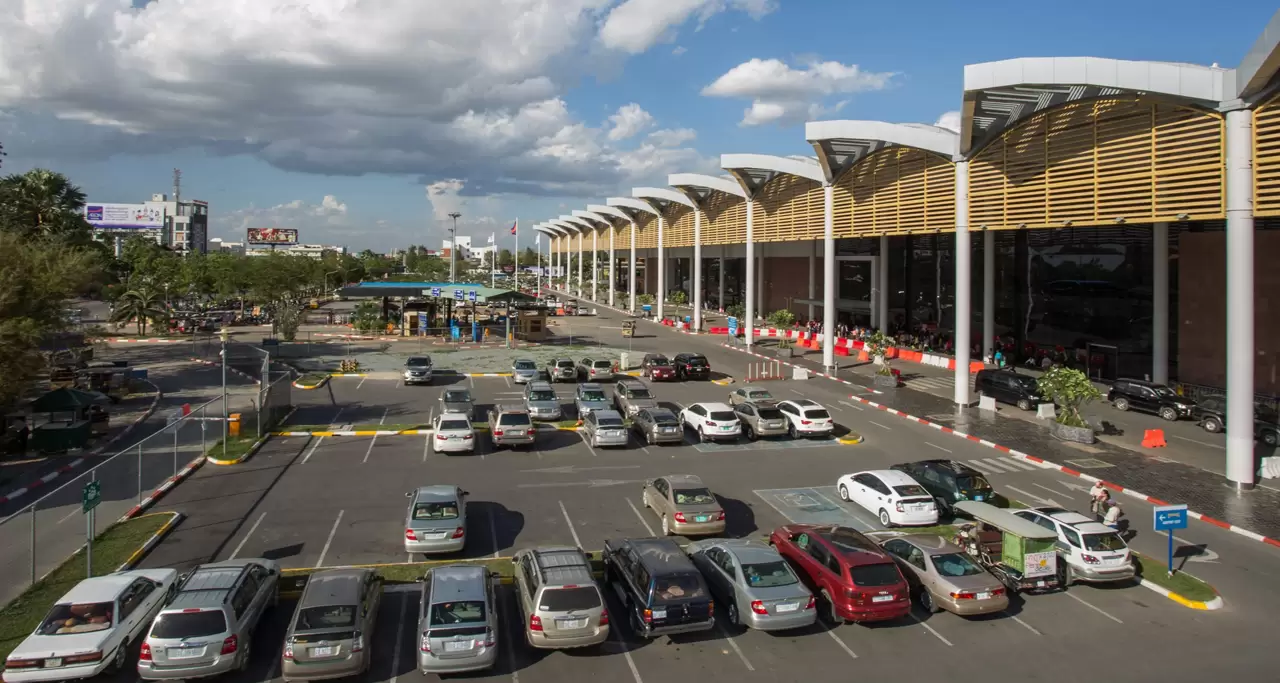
750,433
1168,414
885,519
791,431
243,665
926,601
702,437
637,626
844,493
1065,576
1212,425
666,526
832,617
1271,438
117,661
733,614
1024,404
1121,404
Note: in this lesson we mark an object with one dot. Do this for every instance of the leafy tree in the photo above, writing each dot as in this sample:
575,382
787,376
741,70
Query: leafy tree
43,203
141,305
878,344
782,318
367,317
1070,390
288,320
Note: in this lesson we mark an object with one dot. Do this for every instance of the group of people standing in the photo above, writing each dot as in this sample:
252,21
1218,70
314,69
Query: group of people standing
1105,508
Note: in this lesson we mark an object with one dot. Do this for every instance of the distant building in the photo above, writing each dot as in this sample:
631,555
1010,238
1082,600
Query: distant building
217,244
180,226
315,251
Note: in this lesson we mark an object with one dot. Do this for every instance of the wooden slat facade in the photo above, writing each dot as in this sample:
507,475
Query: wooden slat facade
787,208
646,231
1094,162
679,232
895,191
1266,159
724,220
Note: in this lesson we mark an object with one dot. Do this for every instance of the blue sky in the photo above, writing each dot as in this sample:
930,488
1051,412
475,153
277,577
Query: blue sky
336,128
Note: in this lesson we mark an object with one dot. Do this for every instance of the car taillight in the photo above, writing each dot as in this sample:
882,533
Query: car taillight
720,516
711,607
466,437
490,638
806,422
144,655
425,645
679,516
813,603
83,658
457,533
1091,559
758,607
898,506
357,644
997,592
497,432
964,595
648,616
288,651
604,617
441,437
229,645
535,623
409,535
711,424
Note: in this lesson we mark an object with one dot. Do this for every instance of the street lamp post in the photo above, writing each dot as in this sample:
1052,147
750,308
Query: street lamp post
224,334
453,250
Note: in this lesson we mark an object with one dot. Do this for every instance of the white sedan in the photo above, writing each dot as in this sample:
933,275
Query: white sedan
712,421
806,417
453,434
89,629
894,497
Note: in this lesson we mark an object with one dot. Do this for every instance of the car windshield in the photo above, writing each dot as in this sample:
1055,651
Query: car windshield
972,482
330,616
759,394
769,574
418,361
638,393
526,365
569,599
542,395
77,618
910,490
455,613
513,420
665,419
1026,381
440,509
769,413
870,575
450,425
1103,542
457,396
611,422
659,360
593,395
677,587
568,364
955,564
198,624
693,497
817,414
698,362
724,415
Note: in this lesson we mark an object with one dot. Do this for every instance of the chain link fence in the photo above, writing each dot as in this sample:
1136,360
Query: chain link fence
275,402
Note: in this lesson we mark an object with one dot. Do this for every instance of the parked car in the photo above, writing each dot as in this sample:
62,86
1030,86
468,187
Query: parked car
510,425
750,395
658,586
757,587
604,428
207,627
417,370
1087,550
560,605
761,419
89,629
854,578
656,366
457,620
590,397
595,369
806,417
893,496
1149,397
691,366
712,421
657,425
684,504
1211,413
948,481
541,401
523,371
458,401
453,434
630,396
436,521
332,629
943,577
1009,387
562,370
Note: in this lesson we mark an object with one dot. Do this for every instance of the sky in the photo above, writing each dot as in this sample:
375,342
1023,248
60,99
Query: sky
364,123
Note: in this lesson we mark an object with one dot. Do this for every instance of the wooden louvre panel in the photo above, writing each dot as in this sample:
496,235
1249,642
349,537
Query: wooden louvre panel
1266,159
787,208
895,191
647,231
679,227
724,220
1099,161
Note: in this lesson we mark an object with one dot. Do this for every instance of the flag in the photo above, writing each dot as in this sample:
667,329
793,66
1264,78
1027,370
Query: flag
491,236
537,239
514,226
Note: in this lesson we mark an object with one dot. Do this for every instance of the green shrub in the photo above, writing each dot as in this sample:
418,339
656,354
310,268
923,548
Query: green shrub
782,318
1070,390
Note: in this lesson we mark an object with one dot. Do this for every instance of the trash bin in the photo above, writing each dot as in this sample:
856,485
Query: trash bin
233,424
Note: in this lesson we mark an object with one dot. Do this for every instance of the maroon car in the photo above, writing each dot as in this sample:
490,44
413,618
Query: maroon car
656,366
856,579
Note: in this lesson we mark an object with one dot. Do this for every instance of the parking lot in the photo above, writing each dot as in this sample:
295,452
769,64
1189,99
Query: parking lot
324,501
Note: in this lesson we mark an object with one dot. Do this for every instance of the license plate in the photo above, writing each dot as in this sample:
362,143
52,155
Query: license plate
1039,584
52,662
983,596
457,645
184,652
702,518
659,614
726,428
436,537
517,432
882,598
323,651
787,606
571,623
919,508
978,499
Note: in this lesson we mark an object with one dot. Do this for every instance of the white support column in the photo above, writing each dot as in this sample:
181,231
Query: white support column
1160,303
882,274
580,238
1240,290
963,304
761,308
828,280
749,311
595,265
631,267
662,270
697,269
813,283
988,294
723,263
613,267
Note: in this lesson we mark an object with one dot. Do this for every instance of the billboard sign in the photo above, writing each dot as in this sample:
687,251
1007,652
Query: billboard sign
125,216
272,236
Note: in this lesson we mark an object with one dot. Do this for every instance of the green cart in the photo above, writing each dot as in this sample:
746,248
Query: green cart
1023,555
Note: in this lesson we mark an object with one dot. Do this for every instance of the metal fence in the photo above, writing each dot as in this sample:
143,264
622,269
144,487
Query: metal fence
39,537
275,401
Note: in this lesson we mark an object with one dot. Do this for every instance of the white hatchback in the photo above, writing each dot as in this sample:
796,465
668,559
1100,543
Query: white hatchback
894,497
806,417
453,434
712,421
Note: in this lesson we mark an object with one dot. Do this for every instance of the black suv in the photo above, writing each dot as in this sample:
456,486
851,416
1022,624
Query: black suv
948,481
1008,387
691,366
1149,397
660,589
1211,413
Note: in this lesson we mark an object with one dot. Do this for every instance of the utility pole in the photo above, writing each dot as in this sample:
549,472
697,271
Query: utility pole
453,250
177,186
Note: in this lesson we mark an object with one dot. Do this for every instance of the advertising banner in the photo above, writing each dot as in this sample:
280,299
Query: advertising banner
272,236
125,216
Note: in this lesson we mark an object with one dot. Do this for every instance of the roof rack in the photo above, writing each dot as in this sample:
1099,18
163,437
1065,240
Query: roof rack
564,564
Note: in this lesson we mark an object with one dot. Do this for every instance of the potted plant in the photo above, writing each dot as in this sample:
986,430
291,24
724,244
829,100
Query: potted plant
678,298
877,346
1070,390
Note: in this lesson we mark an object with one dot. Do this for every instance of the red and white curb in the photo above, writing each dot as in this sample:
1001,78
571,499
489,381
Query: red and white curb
230,369
1049,465
131,340
164,488
152,542
18,493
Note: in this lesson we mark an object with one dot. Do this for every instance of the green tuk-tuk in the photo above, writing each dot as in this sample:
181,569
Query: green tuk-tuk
1022,554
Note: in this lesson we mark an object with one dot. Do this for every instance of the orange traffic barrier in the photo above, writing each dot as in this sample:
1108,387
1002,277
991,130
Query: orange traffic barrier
862,356
1153,438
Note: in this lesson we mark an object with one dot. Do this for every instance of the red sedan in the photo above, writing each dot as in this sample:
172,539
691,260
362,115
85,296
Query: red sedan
856,579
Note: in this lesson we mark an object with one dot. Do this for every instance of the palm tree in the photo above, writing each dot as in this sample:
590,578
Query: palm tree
42,202
140,305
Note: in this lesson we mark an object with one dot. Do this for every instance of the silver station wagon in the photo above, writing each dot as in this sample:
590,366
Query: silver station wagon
332,629
457,621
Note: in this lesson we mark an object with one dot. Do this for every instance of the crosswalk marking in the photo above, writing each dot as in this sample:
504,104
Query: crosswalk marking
997,465
1005,465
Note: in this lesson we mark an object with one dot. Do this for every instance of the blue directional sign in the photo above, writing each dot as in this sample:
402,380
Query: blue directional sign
435,291
472,295
733,326
457,294
1168,518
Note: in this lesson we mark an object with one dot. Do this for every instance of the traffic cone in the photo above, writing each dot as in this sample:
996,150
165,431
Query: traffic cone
1153,438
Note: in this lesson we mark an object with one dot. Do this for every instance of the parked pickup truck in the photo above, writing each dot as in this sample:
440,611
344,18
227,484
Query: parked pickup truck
661,590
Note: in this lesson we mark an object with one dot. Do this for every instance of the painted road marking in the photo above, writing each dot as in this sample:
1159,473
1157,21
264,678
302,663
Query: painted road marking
493,533
370,449
338,415
1091,606
588,443
948,450
1199,442
314,445
626,651
807,506
574,532
880,425
240,546
325,551
734,645
362,379
384,415
1018,463
855,407
929,629
395,653
426,447
640,517
841,644
1029,626
996,465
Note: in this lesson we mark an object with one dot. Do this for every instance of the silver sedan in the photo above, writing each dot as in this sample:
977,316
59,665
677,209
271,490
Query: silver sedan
758,586
604,428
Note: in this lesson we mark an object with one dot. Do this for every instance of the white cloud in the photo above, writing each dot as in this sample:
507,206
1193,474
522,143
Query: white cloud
784,94
672,137
679,50
636,25
949,120
630,120
326,222
444,199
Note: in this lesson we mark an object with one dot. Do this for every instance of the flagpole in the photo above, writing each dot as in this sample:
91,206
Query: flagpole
493,259
515,274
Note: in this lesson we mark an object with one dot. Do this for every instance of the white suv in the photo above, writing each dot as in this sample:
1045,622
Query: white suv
1092,551
806,418
712,421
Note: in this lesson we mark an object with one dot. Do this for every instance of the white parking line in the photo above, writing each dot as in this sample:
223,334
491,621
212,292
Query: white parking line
325,550
574,532
948,450
996,465
1197,441
385,411
362,379
314,445
841,644
880,425
852,516
1019,464
1029,626
240,546
395,652
1092,607
851,405
473,381
626,652
930,629
506,378
370,449
588,443
734,644
426,447
640,517
338,415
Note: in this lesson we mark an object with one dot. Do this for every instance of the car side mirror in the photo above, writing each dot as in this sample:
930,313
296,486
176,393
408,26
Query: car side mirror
466,493
408,494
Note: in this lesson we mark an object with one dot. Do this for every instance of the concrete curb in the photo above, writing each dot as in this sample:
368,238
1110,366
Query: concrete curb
152,542
131,340
851,440
164,488
723,382
348,374
409,432
231,370
248,454
317,386
1215,604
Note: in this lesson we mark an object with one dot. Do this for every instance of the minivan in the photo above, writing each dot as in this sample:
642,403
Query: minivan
560,603
332,628
457,620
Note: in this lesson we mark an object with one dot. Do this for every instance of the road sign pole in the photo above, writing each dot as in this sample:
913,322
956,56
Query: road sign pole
1170,532
88,548
33,543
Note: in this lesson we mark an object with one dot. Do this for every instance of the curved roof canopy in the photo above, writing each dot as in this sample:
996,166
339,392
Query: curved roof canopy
593,216
1258,69
567,227
660,197
698,187
605,210
631,206
999,94
841,144
577,222
754,170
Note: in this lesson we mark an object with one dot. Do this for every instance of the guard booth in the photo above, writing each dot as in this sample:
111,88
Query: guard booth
531,324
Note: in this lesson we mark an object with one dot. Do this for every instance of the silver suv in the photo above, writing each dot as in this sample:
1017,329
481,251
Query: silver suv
562,370
417,370
630,396
595,369
207,627
541,401
510,426
560,603
590,397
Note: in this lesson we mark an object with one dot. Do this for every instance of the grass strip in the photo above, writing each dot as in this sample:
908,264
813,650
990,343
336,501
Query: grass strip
237,448
1157,572
312,379
111,549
